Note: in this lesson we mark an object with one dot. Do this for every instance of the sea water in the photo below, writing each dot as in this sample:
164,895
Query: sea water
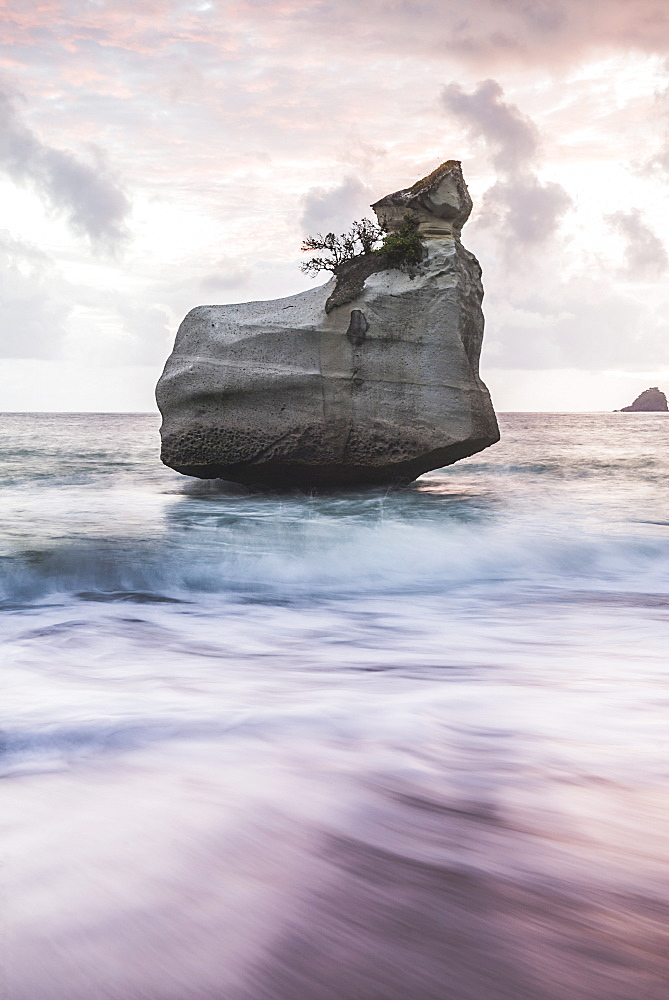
369,745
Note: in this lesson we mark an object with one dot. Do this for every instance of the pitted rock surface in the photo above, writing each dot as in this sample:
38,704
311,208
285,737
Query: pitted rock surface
379,389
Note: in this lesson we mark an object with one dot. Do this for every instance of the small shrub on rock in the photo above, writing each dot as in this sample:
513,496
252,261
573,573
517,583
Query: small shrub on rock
403,248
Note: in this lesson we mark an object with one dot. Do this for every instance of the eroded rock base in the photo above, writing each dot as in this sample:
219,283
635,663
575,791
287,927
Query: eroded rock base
287,475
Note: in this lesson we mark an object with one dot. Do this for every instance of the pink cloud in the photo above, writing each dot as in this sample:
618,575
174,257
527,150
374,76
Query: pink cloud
480,31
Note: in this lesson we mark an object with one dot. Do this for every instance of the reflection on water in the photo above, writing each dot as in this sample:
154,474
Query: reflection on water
370,745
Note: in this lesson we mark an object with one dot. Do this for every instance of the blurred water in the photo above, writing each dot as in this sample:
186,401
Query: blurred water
374,745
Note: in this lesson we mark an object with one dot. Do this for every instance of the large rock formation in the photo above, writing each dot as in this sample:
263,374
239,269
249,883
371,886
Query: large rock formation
371,378
649,401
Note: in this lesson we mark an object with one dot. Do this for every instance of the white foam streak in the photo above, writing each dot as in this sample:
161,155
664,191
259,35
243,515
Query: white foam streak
384,558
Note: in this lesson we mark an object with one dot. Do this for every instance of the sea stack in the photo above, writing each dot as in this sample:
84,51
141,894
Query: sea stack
371,378
651,400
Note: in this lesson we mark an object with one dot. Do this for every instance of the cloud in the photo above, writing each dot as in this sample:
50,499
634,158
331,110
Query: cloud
90,199
34,304
487,33
659,163
332,210
524,208
482,32
227,276
247,124
579,322
645,253
147,334
519,204
512,138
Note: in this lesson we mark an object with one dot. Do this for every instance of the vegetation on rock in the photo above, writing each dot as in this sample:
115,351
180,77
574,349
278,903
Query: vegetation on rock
362,238
401,248
426,181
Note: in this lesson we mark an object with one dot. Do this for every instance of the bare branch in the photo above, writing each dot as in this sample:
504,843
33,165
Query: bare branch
361,238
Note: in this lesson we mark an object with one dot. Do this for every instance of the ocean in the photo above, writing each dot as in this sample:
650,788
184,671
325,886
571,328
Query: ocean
368,745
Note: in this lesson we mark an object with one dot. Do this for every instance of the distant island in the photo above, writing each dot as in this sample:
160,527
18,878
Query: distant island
649,401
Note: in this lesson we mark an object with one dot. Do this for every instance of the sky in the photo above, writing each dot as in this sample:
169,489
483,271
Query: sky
156,155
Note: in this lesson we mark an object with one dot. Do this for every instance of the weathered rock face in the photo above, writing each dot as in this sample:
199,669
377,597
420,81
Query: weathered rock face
649,401
440,202
381,388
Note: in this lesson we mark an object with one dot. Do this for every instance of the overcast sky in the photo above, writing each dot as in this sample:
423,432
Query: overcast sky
163,154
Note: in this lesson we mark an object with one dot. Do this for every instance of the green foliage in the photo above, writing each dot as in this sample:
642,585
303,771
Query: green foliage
362,238
404,247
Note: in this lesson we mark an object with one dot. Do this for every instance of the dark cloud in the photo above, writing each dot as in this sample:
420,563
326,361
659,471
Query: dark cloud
519,204
512,138
89,198
332,210
524,208
645,253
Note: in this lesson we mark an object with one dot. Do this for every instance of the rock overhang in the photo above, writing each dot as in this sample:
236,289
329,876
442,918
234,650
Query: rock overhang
439,202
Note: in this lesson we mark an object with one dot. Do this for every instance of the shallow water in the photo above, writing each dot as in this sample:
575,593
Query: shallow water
374,745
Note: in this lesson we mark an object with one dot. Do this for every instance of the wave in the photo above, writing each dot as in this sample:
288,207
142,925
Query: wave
50,746
341,561
641,467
